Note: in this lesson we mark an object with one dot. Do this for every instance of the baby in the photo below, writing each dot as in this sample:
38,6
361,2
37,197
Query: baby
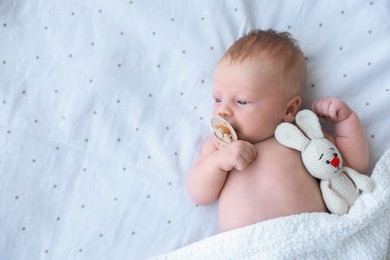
258,85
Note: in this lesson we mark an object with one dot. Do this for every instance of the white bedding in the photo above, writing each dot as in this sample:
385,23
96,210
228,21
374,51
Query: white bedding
104,105
363,233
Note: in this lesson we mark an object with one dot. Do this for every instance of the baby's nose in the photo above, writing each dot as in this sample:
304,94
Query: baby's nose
224,111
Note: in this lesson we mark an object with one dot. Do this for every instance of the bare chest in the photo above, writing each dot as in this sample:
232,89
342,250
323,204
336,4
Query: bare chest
273,163
275,184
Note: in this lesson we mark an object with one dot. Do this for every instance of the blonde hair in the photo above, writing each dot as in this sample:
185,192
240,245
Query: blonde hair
280,47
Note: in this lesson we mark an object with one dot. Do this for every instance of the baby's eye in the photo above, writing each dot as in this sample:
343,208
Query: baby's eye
241,102
217,100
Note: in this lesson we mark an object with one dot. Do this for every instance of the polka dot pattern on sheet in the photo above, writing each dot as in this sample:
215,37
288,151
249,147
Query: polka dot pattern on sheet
105,105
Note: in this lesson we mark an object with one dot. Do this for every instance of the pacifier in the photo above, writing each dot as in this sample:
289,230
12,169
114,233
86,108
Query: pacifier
223,131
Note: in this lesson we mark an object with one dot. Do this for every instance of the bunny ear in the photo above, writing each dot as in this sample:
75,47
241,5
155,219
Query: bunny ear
309,123
289,135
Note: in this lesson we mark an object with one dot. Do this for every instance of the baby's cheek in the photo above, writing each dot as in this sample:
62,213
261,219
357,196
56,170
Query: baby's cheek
214,112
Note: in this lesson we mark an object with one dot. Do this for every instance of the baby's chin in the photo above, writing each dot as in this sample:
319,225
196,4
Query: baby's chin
242,137
252,139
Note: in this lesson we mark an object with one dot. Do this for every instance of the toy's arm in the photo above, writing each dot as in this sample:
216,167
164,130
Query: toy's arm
361,181
333,201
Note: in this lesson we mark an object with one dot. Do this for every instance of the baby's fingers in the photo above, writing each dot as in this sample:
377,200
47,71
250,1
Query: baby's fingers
246,156
242,162
331,109
325,108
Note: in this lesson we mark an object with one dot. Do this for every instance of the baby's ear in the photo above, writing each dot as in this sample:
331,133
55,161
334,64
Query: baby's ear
292,109
289,135
309,123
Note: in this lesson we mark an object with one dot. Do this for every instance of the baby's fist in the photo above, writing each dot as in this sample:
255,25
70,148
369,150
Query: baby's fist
236,155
331,109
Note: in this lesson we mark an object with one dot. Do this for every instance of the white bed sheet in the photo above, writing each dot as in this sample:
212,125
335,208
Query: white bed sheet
104,105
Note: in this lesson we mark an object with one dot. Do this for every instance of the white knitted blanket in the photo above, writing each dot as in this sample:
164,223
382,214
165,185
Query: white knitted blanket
363,233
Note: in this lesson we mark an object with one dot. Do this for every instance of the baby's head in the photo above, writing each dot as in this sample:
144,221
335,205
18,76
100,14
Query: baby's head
259,82
279,49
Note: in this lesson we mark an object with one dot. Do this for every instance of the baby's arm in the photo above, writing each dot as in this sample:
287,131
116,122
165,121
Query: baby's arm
209,172
350,138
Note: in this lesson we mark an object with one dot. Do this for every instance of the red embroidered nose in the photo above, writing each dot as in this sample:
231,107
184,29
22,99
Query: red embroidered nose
335,162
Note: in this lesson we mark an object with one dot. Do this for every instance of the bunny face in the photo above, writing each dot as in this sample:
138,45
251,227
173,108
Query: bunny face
339,185
322,159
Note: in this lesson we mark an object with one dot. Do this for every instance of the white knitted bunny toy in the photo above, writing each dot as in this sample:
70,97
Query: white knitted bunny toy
339,185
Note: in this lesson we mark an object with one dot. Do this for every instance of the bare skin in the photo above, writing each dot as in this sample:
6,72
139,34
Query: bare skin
256,178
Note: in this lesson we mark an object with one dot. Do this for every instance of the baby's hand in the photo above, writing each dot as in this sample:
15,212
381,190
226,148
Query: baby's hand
331,109
236,155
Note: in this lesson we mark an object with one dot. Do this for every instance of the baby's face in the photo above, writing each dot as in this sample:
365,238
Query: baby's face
249,96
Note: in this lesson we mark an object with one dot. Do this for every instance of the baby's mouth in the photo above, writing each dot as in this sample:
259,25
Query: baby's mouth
233,126
235,129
